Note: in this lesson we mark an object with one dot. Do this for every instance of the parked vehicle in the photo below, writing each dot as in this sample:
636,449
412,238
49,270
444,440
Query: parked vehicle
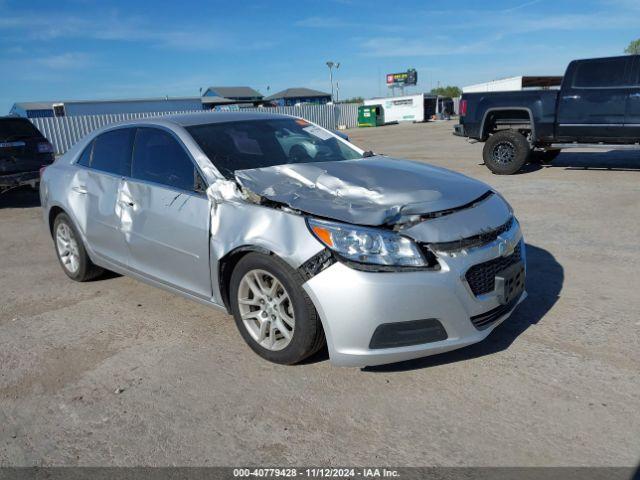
598,105
299,234
23,151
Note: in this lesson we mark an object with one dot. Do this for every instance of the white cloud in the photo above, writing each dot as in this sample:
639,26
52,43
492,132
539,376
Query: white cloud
324,22
336,22
409,47
65,61
113,26
521,6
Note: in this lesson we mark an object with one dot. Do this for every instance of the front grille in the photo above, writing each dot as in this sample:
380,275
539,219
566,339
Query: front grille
483,320
474,241
482,277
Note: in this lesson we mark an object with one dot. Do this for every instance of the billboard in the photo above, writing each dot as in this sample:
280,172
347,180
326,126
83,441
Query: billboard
410,77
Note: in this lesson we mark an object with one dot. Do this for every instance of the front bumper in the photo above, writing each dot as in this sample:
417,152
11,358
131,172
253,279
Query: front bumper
20,179
352,304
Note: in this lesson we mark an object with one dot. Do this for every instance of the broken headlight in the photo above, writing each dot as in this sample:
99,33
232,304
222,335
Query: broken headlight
367,245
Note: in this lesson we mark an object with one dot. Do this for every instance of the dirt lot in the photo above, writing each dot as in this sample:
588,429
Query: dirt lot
558,384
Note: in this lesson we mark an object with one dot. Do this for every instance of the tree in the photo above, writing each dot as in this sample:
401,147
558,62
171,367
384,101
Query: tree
448,91
633,48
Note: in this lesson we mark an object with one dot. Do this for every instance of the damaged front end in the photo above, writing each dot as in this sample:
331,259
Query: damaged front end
379,213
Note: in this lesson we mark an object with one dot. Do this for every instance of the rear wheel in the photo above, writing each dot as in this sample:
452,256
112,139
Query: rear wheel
71,252
544,156
272,312
505,152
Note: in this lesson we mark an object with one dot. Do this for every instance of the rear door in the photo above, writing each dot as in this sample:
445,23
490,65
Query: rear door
96,192
632,119
167,218
593,100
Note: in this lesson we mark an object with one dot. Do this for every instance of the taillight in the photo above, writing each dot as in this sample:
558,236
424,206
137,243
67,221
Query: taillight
462,108
42,169
45,147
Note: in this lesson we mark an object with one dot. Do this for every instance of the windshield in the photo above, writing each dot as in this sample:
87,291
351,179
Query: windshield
17,129
263,143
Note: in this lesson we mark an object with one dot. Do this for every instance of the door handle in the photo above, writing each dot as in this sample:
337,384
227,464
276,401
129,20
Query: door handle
571,97
80,189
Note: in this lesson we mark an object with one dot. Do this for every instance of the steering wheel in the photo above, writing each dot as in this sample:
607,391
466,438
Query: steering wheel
299,154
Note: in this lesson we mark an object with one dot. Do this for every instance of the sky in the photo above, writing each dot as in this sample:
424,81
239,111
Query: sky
92,49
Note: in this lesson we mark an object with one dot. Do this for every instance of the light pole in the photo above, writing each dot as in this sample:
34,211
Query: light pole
331,64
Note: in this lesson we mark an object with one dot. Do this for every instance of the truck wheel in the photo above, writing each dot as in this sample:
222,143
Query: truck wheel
505,152
544,157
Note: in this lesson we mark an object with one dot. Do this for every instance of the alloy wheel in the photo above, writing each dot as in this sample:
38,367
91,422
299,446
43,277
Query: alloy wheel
67,246
504,153
266,310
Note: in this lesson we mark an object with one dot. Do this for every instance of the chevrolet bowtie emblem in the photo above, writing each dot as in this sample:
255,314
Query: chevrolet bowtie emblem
505,247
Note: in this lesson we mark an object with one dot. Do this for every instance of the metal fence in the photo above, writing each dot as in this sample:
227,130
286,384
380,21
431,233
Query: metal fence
64,132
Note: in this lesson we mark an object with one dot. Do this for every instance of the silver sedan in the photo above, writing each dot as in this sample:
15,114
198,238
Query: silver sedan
303,237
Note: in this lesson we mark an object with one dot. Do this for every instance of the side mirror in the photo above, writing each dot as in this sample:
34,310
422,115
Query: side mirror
199,185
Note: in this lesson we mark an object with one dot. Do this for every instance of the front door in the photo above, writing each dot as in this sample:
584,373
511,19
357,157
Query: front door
593,100
166,221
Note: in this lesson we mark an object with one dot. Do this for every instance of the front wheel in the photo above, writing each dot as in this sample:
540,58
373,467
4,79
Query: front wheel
506,152
272,312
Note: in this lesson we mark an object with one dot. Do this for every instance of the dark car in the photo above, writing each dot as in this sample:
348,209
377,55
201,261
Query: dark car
597,105
23,152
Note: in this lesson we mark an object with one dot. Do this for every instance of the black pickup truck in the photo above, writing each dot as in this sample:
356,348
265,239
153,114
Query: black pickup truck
598,105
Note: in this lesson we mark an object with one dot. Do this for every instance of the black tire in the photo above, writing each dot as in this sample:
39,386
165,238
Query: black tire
544,157
308,335
506,152
86,270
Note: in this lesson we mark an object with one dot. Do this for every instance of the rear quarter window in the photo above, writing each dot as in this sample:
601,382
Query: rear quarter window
85,158
602,73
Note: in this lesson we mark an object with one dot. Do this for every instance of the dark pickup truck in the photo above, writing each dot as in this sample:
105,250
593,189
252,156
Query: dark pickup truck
597,105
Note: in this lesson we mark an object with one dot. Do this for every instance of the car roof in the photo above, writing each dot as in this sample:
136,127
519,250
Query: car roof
191,119
14,117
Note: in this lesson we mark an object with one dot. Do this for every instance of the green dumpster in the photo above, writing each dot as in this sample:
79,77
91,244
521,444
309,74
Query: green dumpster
370,115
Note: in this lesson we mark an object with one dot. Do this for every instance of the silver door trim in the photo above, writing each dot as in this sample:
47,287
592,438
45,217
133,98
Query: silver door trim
592,124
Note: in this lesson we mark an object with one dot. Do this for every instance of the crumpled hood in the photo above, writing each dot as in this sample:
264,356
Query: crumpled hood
366,191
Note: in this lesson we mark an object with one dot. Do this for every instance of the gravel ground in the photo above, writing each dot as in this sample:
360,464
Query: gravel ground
115,372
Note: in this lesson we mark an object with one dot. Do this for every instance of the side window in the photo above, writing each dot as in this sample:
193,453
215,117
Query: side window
159,158
112,151
85,158
602,73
